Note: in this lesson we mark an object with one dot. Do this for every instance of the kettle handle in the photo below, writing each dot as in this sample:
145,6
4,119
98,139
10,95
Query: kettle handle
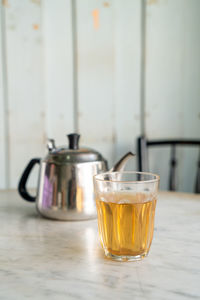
22,183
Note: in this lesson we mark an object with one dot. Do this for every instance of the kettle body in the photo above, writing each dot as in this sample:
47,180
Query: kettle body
65,185
66,192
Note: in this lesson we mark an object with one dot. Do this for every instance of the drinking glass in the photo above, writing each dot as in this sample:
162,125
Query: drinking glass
126,203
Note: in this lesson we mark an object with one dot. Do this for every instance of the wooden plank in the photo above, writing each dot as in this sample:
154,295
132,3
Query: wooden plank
190,92
172,79
95,75
3,174
25,86
58,49
164,59
127,58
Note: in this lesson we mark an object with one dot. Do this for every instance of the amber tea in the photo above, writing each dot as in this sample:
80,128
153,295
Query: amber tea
126,223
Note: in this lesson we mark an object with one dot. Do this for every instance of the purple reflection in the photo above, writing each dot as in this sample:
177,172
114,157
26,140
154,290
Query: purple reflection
47,193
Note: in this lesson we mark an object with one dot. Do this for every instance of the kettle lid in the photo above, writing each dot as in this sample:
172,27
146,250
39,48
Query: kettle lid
73,153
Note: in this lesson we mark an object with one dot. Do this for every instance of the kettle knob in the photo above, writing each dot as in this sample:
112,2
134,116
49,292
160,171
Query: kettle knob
51,145
73,141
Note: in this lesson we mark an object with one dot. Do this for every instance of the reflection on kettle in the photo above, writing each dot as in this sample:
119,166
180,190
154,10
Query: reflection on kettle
65,190
79,199
72,187
50,186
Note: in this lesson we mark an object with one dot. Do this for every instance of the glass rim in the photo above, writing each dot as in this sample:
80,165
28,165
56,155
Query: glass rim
157,177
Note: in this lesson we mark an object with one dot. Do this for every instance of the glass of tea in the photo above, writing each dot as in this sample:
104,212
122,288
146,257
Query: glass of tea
126,203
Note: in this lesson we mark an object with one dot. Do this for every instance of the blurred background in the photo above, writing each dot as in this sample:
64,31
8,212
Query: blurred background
109,70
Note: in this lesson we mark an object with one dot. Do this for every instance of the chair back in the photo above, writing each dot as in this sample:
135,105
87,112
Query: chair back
143,144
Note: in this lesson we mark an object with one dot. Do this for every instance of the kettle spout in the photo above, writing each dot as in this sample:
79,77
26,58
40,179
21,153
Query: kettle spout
119,166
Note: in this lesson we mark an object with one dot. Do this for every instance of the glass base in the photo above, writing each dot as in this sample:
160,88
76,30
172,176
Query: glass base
125,257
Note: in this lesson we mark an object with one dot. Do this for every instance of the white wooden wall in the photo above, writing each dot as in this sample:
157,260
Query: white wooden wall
110,70
173,82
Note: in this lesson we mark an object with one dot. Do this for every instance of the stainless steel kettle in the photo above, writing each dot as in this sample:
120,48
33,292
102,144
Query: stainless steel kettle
65,190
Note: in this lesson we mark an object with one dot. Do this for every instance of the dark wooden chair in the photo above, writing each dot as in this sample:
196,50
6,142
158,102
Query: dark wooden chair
144,144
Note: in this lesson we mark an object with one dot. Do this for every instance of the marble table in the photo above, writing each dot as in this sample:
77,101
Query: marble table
44,259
